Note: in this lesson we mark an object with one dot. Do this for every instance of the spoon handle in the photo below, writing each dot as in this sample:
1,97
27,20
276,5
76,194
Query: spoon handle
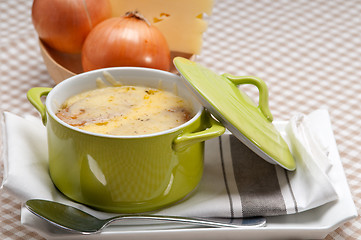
74,219
209,222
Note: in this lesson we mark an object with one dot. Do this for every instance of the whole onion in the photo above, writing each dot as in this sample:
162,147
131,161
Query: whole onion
129,40
64,24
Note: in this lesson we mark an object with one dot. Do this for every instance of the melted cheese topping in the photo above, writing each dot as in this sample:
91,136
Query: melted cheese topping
125,110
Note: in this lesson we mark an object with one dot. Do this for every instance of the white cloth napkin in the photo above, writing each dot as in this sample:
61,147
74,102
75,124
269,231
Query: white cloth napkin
236,182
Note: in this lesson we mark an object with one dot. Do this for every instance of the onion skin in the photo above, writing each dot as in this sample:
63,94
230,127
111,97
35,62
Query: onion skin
125,41
64,24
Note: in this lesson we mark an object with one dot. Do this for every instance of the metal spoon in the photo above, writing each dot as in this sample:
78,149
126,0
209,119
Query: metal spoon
73,219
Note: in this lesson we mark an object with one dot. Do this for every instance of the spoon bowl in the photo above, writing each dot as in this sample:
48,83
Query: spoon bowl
73,219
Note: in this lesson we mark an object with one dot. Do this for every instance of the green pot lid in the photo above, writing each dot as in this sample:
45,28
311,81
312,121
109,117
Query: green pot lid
250,123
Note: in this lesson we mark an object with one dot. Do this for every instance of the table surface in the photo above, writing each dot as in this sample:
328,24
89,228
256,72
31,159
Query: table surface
308,53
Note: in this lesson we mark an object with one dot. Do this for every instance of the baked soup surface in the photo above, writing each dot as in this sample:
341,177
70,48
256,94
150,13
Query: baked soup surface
125,110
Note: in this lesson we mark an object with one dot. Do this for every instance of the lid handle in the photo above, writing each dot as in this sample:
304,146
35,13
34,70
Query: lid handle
262,88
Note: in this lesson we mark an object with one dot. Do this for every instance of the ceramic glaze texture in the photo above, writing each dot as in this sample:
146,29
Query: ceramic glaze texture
250,123
125,174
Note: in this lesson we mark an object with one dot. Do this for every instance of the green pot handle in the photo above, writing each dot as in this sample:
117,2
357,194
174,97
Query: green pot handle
34,96
187,139
262,88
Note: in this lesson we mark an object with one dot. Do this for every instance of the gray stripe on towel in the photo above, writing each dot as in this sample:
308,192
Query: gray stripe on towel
226,181
257,182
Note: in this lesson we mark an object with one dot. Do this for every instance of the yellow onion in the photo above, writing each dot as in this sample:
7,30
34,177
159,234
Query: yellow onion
129,40
64,24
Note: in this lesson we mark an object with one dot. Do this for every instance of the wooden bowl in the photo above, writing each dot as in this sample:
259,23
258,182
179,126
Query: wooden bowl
64,65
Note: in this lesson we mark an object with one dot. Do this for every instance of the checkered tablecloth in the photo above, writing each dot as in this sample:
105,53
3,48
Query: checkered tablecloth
308,52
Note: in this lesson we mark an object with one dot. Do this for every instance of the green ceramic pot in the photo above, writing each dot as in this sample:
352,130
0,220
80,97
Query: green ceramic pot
125,174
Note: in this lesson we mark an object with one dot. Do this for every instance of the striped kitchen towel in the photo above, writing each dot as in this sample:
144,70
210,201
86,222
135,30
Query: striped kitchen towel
236,182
